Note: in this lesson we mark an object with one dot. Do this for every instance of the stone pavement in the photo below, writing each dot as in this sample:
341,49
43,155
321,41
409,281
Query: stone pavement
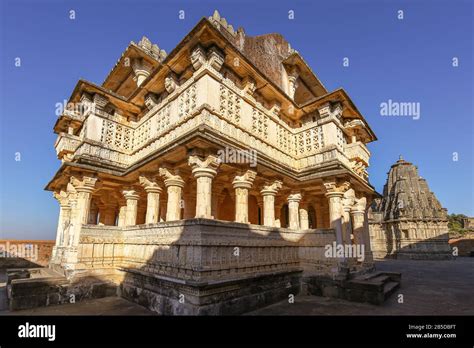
101,306
428,288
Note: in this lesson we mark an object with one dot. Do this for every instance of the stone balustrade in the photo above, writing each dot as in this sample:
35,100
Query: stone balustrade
357,151
232,113
66,144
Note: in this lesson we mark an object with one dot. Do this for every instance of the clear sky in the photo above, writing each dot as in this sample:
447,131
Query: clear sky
408,60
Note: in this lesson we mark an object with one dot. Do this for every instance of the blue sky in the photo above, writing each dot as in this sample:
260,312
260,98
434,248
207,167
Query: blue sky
407,60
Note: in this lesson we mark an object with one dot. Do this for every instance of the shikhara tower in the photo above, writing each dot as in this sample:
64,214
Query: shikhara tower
408,222
146,205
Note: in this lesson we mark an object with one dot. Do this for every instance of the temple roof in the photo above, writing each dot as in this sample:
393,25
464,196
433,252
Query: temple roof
268,58
406,195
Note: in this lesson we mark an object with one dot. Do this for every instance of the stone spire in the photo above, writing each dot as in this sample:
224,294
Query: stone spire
406,195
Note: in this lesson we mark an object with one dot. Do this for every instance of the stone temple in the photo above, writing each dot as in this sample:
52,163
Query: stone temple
408,222
211,180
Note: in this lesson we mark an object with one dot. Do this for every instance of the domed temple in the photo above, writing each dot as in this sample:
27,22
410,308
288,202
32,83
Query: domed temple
212,179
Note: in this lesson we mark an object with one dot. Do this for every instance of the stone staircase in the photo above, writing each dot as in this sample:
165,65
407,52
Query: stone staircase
375,287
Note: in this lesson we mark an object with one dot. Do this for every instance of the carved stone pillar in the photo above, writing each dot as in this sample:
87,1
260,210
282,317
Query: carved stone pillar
153,191
242,184
304,218
269,192
347,203
174,187
293,211
63,222
131,197
204,171
358,219
369,257
84,187
334,192
361,234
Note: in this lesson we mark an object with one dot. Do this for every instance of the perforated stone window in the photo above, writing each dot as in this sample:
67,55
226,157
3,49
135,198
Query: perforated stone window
187,101
230,104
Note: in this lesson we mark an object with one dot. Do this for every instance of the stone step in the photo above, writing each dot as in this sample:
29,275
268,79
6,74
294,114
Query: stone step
377,286
382,278
393,276
389,288
368,276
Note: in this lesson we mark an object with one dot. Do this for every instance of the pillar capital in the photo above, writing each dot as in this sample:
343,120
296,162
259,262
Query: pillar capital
83,183
295,197
62,197
293,210
174,185
171,179
335,187
130,194
207,167
204,171
153,190
242,184
245,180
149,184
269,191
132,197
271,188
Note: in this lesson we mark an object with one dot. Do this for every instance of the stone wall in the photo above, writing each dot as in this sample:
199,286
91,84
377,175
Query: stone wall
410,240
465,245
212,263
25,253
200,249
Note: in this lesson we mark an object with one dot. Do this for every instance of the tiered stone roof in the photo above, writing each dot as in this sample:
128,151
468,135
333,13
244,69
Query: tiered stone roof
406,195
